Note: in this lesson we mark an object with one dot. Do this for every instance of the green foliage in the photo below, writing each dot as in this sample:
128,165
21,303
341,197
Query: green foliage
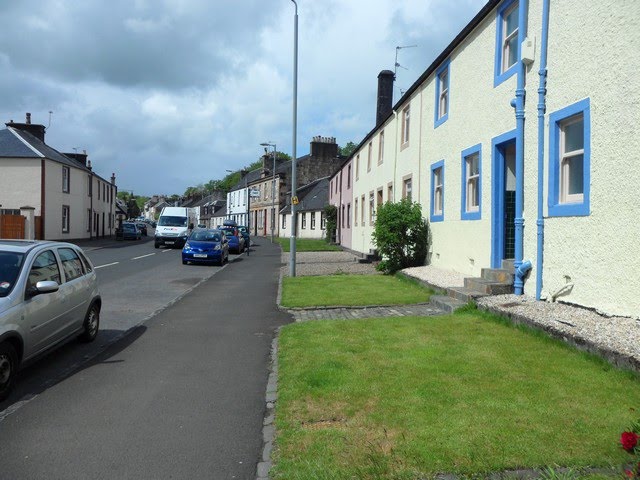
348,149
331,215
401,235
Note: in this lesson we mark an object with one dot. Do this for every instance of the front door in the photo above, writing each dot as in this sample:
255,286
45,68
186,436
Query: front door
504,200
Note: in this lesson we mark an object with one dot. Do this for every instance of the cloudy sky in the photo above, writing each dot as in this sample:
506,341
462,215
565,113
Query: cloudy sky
169,94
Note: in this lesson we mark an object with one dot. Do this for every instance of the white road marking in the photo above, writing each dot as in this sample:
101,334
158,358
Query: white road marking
106,265
166,250
142,256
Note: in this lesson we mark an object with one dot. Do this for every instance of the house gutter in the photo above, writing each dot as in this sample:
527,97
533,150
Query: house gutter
542,92
518,104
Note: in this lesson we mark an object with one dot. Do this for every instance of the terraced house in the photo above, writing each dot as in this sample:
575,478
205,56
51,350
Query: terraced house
520,142
58,195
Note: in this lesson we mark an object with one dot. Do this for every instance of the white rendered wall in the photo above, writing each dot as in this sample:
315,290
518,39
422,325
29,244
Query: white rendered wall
77,199
20,183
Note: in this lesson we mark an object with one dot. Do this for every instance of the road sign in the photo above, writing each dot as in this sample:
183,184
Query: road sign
294,200
254,193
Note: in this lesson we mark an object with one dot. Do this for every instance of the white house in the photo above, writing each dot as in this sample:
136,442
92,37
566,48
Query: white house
69,200
517,149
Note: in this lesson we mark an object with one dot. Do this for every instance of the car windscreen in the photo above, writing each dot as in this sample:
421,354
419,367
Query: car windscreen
229,232
167,221
128,226
10,264
204,237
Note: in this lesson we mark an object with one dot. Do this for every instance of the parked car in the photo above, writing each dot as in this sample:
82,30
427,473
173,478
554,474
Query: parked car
128,231
236,240
48,294
245,233
142,226
206,246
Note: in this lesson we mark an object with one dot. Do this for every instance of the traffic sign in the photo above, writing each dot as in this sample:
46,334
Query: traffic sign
294,200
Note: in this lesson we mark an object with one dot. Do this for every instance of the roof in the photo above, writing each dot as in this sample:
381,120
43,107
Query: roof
250,177
16,143
313,196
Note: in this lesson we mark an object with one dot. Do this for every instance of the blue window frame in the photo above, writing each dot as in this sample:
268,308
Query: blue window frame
471,198
437,192
508,32
570,160
441,110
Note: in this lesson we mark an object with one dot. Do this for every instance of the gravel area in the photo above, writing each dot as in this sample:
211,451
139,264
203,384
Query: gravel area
327,263
436,276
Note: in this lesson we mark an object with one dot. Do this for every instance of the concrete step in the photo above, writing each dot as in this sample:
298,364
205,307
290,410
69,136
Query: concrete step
446,303
487,286
464,294
508,264
497,275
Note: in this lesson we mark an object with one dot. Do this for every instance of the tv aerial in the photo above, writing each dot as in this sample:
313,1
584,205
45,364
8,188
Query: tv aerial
396,62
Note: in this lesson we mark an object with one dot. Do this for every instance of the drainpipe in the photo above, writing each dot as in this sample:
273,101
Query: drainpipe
542,92
518,104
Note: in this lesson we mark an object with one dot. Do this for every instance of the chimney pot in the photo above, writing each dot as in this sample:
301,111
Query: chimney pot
28,121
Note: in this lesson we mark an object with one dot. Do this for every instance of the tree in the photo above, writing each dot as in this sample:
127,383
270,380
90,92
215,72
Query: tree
348,149
401,236
331,216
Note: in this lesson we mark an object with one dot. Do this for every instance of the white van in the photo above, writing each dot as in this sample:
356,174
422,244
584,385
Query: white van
174,226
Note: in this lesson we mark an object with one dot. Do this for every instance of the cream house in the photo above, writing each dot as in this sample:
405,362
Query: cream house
69,200
513,145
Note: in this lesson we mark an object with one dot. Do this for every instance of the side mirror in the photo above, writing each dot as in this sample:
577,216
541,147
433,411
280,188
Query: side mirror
46,286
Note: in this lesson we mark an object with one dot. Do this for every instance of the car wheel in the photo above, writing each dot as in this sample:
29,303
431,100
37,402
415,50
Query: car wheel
184,262
8,369
156,245
91,324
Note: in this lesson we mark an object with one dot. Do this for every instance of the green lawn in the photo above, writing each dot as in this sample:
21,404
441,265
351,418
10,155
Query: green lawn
404,398
351,290
307,245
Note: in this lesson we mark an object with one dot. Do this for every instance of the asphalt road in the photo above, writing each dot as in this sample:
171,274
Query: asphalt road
179,396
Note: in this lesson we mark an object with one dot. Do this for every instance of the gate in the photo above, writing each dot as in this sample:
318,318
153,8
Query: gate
12,226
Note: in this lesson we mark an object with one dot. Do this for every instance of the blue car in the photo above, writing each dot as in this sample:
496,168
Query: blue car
128,231
206,246
236,240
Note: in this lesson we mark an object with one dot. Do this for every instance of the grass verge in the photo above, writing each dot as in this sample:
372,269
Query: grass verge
405,398
351,290
308,245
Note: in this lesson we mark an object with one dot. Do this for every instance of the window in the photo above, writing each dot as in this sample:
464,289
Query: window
362,211
348,215
104,192
284,221
44,268
349,176
66,173
369,151
88,219
304,220
342,216
313,220
372,209
323,221
437,191
357,166
442,95
407,188
355,212
405,125
71,264
99,191
471,183
570,160
65,219
379,198
507,41
90,186
381,148
390,192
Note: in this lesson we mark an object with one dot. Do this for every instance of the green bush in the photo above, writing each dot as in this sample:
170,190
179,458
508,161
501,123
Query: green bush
401,236
331,215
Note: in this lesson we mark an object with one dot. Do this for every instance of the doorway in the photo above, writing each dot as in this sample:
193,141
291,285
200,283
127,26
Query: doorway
503,204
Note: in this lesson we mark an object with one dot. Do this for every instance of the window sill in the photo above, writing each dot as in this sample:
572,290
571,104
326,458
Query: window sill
569,210
441,120
437,218
471,215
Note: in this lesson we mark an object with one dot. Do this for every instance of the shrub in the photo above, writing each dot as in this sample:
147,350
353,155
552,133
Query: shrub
401,235
331,215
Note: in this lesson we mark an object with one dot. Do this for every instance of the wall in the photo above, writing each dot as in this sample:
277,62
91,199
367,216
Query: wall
20,183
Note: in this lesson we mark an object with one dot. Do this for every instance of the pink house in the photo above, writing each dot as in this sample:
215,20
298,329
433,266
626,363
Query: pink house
340,195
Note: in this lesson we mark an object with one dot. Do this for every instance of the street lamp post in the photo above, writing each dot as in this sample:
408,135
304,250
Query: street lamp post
292,245
273,185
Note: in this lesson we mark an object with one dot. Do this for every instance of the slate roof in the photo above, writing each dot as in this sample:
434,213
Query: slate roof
313,196
250,177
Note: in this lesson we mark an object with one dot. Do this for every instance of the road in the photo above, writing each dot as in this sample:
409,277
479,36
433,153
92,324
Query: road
173,387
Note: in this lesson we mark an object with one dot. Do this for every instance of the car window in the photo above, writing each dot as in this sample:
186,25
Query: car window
85,261
71,264
44,268
9,268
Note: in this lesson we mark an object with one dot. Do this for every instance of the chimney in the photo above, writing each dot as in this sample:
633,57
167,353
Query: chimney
385,95
34,129
323,147
80,157
113,181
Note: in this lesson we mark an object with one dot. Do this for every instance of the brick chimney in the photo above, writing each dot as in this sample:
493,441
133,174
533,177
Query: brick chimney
323,147
34,129
385,95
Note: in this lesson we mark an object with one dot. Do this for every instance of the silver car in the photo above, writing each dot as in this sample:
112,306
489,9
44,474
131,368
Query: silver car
48,294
